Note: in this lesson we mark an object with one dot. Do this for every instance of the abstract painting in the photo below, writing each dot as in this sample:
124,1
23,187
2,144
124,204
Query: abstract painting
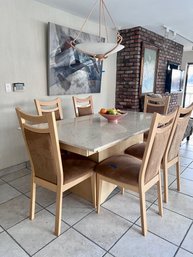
70,71
148,68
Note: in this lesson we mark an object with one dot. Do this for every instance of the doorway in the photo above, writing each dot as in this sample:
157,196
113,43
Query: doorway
188,89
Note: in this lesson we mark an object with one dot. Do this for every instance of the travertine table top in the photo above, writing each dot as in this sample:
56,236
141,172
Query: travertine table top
94,133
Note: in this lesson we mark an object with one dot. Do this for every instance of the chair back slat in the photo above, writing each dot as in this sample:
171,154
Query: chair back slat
44,107
83,106
156,104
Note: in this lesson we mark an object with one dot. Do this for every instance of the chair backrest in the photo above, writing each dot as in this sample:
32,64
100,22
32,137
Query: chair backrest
41,138
83,106
55,105
156,104
157,141
176,138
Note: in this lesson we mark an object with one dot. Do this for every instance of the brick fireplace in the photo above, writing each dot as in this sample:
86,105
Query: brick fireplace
129,66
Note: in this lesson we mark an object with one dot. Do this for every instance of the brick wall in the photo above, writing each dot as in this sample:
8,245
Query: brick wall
129,66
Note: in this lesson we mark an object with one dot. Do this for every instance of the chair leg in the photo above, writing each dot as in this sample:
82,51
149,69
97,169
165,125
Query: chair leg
99,189
159,190
122,190
59,194
143,213
33,200
178,174
165,175
93,188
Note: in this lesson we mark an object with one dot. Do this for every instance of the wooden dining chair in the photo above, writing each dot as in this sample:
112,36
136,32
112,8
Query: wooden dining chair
138,175
83,106
49,106
49,169
171,155
155,104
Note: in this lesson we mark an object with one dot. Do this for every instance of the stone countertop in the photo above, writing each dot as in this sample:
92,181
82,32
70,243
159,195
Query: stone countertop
94,133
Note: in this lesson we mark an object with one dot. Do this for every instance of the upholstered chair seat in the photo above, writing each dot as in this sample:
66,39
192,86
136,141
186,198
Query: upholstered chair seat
136,150
116,167
75,166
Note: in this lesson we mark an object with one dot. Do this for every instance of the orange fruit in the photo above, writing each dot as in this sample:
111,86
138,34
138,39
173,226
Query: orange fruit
103,110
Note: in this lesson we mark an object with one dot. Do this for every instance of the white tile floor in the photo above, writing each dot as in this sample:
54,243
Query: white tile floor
114,232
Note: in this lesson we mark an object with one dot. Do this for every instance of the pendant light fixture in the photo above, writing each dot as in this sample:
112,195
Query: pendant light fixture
99,50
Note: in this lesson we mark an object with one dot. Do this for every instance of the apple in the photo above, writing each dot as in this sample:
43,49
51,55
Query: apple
112,111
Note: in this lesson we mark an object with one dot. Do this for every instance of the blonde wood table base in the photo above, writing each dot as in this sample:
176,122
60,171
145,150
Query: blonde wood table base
84,188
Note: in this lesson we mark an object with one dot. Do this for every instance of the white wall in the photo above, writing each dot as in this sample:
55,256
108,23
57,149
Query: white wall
186,58
23,58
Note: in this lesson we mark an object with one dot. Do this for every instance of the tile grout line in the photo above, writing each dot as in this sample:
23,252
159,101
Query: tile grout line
72,226
89,239
14,178
17,243
56,237
135,223
184,239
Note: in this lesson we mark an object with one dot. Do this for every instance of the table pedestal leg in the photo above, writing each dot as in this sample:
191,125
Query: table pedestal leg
84,188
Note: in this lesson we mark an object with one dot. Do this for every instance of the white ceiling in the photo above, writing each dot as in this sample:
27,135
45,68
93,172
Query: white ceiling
177,15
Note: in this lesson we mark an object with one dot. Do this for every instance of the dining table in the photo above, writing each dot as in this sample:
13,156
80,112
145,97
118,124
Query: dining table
96,138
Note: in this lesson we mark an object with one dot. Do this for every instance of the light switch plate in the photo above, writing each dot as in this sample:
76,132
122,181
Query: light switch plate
8,87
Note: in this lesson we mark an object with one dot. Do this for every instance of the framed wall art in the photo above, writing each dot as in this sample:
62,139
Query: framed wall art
149,62
70,71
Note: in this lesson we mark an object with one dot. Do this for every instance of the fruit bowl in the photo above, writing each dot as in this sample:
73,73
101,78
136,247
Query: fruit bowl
114,118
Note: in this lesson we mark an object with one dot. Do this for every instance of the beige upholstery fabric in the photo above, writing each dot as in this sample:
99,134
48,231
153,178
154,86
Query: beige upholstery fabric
156,155
159,109
136,150
83,111
157,152
145,136
57,114
177,139
75,165
123,168
42,156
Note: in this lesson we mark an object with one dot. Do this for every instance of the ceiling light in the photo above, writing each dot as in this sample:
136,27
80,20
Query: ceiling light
100,50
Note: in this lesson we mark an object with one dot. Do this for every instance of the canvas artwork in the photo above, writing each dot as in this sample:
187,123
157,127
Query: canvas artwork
149,69
70,71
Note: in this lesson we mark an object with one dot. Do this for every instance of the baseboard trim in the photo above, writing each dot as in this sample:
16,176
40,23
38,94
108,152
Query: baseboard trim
14,168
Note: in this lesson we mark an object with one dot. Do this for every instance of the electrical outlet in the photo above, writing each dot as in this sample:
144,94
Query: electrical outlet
8,88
